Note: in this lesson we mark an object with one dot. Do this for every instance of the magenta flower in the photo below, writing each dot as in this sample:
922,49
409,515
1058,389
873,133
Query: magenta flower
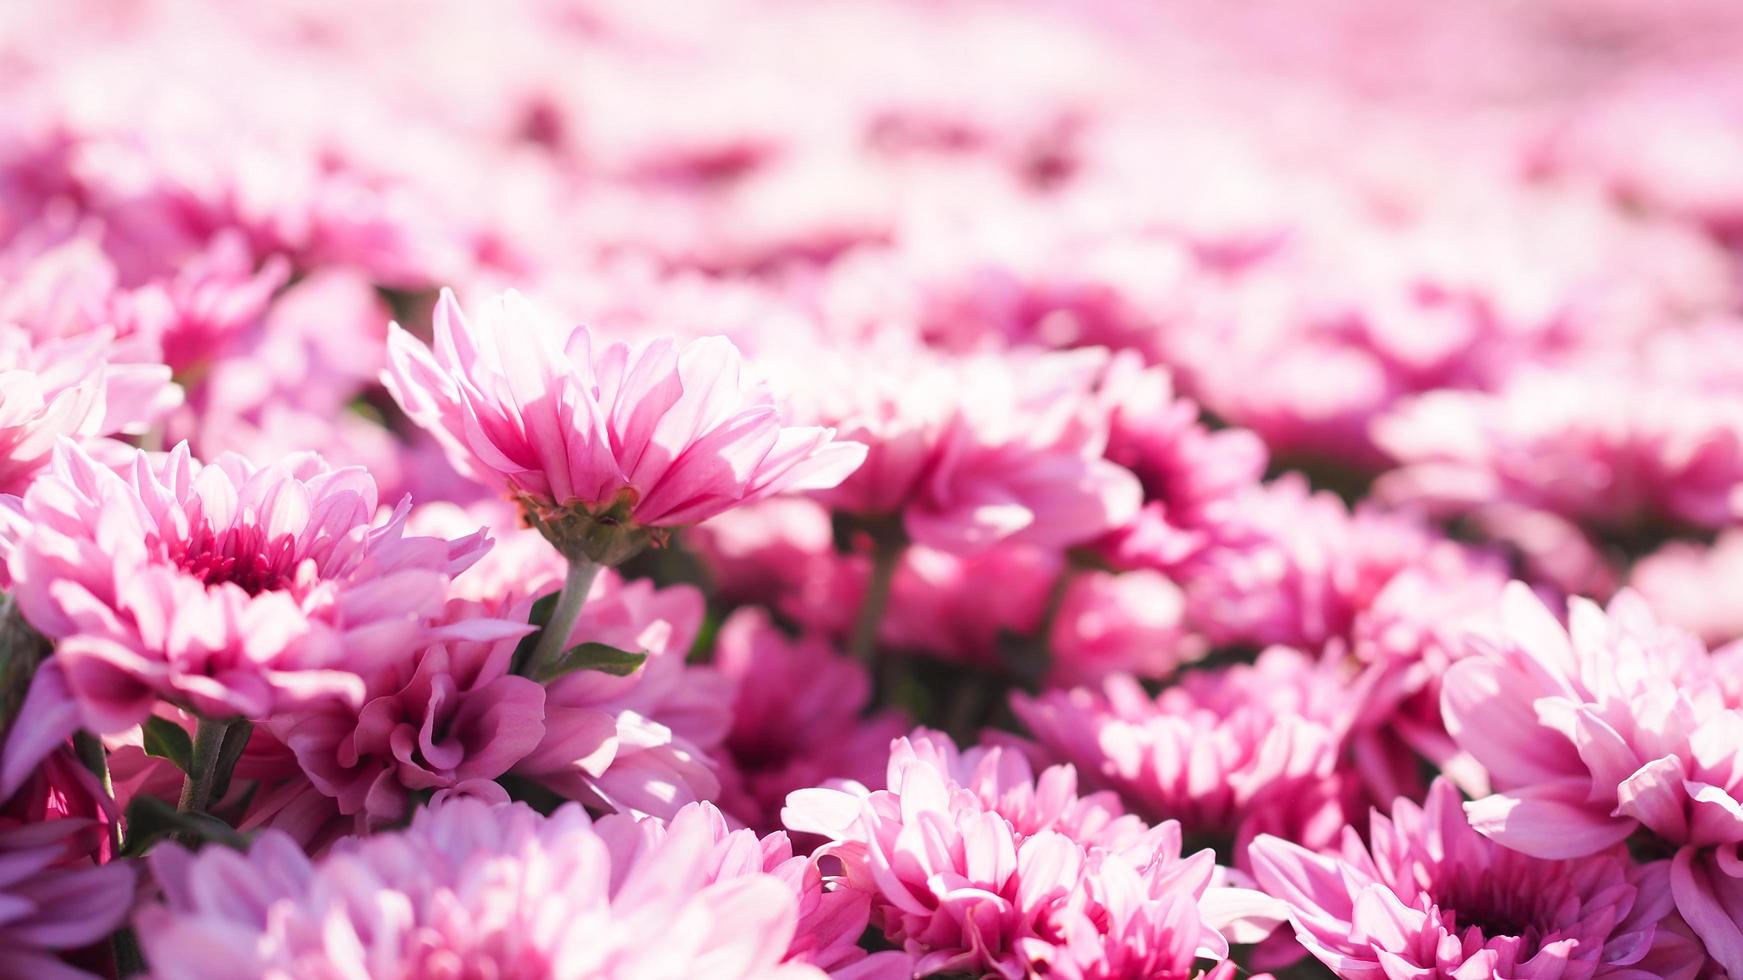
974,864
795,718
602,449
85,388
480,889
1612,725
1428,896
229,589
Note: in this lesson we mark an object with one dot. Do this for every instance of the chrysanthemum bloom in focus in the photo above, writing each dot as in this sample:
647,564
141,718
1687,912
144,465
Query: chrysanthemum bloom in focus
229,589
1430,897
976,865
476,889
1613,725
605,450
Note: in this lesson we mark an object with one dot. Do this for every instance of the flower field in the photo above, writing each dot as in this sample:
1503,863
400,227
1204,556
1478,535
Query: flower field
871,489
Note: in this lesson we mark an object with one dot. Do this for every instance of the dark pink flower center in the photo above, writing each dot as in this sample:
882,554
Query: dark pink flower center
240,556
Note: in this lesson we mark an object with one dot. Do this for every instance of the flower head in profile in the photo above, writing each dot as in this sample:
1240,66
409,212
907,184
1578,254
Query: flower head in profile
229,589
975,864
1428,896
969,452
1610,726
604,448
473,889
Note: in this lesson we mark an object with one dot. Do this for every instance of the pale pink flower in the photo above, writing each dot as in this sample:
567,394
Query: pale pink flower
1666,445
211,303
1612,725
769,551
1427,896
973,863
227,588
645,743
596,446
971,451
1230,752
1688,584
85,388
1131,623
830,921
1586,730
481,888
796,718
450,718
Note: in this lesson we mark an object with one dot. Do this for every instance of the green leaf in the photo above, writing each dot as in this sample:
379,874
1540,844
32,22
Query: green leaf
150,820
235,741
167,740
593,656
543,606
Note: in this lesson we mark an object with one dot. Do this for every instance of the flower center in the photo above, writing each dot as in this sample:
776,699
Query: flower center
240,556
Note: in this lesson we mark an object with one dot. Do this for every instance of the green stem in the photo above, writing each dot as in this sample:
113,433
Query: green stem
129,961
555,636
203,766
886,556
89,748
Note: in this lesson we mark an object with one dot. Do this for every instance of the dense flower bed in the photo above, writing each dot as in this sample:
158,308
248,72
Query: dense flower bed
871,489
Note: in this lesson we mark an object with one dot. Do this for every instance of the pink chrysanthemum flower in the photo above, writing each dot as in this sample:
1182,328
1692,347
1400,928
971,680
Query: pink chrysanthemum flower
54,895
1193,478
969,452
1429,897
448,719
1132,623
83,387
603,448
975,864
1666,448
476,889
645,743
795,718
1228,752
1596,731
54,898
228,588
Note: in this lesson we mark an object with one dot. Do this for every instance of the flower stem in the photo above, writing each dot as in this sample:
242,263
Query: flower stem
555,636
203,766
886,555
89,748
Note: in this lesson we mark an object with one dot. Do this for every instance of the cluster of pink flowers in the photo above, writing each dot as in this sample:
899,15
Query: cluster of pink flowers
874,490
